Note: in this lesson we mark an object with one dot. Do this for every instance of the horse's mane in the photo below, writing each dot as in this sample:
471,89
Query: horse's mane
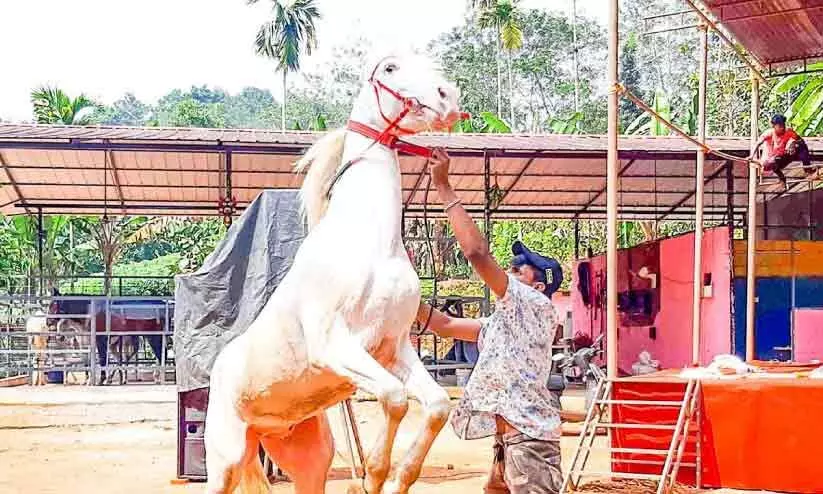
322,161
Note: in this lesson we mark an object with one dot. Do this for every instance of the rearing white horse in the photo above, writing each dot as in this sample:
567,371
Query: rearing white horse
340,319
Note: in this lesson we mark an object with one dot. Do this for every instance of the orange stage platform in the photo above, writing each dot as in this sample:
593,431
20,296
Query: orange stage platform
754,433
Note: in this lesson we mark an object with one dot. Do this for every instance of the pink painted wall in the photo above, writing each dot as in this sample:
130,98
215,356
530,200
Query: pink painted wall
808,335
672,345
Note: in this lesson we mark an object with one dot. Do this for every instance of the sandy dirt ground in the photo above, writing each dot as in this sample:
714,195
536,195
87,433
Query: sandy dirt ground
123,440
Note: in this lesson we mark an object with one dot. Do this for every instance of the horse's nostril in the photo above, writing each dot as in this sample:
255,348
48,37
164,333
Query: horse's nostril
443,93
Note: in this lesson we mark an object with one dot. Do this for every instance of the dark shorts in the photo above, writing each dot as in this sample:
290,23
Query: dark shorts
523,465
798,152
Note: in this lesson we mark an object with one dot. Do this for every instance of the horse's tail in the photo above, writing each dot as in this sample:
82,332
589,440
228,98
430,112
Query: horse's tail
252,478
322,161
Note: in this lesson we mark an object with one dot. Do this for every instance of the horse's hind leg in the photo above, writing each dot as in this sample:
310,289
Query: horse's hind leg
226,447
305,455
348,359
435,402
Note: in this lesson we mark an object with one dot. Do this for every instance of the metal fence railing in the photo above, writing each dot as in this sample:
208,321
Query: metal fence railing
87,339
445,356
88,285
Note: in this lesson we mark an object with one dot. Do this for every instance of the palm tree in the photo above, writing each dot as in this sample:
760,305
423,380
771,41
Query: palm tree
505,18
53,106
286,37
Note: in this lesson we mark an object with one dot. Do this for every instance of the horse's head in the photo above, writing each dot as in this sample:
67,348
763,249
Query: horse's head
410,86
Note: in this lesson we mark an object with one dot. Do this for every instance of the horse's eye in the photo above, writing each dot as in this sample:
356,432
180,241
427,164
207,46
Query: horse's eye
390,68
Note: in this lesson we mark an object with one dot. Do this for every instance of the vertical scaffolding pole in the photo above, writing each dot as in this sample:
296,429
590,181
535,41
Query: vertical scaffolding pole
487,219
612,162
40,237
576,239
697,292
751,226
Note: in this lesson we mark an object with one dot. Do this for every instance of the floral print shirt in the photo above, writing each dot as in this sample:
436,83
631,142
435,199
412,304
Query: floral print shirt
512,371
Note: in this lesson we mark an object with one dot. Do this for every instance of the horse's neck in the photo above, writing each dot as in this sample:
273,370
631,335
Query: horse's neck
369,191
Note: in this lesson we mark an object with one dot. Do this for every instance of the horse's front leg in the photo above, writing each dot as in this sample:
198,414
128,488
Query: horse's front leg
347,358
435,401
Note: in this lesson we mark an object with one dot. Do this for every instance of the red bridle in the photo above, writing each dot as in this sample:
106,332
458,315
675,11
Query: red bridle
388,137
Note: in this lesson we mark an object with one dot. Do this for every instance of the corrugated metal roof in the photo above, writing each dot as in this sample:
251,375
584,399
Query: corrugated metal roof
774,31
185,171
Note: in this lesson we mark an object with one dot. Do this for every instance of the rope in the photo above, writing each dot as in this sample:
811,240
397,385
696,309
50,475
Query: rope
430,248
621,90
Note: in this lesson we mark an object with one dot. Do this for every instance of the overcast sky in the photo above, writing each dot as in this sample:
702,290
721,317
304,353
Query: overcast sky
108,47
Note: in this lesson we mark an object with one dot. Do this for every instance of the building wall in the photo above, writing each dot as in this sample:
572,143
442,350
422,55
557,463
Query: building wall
791,217
789,289
672,343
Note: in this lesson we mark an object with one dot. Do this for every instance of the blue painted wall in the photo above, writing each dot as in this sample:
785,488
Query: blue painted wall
773,312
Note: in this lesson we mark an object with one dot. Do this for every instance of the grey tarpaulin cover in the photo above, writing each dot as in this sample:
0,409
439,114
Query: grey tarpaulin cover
221,299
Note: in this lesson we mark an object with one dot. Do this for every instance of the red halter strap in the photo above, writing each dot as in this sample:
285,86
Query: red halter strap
388,137
410,104
391,141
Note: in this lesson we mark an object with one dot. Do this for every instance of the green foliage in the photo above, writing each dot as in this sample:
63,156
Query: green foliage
289,34
286,37
126,111
542,75
192,113
631,78
650,125
53,106
318,124
485,123
148,278
805,92
503,16
566,125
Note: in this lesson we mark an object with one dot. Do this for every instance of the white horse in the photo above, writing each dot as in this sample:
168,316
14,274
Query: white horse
340,319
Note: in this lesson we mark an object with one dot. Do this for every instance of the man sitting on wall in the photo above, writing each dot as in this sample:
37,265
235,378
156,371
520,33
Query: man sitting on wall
783,146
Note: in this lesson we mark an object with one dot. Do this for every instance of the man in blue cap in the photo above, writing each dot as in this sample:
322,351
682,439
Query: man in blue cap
507,394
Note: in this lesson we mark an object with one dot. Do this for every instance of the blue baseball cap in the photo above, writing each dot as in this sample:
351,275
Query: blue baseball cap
542,265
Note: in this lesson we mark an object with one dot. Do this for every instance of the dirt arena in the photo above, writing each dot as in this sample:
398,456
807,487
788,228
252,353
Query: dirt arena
122,440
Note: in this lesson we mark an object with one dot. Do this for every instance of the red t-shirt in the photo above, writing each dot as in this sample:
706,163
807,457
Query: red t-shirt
776,145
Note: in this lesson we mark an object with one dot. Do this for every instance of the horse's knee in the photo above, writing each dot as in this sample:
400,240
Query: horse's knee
395,403
376,469
437,412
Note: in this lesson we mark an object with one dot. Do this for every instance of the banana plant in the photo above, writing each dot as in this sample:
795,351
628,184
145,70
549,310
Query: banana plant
646,124
566,125
805,112
486,123
317,124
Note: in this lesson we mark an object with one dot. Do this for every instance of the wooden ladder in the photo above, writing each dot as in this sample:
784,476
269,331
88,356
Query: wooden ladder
596,418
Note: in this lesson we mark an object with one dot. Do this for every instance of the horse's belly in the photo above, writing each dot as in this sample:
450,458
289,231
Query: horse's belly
284,404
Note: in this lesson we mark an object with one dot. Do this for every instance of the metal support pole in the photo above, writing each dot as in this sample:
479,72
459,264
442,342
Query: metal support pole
576,53
697,292
730,198
229,194
40,237
612,164
576,239
751,234
487,218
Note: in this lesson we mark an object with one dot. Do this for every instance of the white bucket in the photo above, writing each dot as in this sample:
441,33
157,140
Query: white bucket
462,376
